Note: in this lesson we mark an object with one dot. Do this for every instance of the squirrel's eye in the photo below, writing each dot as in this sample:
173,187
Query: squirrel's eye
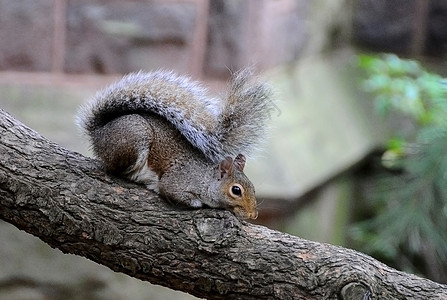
236,190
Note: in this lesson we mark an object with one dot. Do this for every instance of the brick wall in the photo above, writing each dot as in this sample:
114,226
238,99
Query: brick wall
115,36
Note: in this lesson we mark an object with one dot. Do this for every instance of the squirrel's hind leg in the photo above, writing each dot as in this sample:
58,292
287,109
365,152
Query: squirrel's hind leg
123,146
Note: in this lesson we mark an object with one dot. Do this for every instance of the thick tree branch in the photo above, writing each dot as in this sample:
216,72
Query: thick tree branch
70,203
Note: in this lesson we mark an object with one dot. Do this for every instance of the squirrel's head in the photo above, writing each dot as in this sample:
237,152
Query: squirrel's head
239,192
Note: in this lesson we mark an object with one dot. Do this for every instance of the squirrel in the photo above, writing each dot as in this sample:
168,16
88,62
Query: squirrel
163,130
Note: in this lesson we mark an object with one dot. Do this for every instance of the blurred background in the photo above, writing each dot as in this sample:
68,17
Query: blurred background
357,152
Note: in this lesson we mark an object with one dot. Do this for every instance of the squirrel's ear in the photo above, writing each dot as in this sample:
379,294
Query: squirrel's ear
226,167
239,162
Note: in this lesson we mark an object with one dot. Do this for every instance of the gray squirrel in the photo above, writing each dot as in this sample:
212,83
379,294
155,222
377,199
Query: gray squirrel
163,130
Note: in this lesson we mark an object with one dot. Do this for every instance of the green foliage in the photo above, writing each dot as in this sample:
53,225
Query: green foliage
403,85
409,227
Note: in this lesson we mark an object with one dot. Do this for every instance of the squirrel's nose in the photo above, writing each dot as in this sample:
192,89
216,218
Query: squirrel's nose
253,215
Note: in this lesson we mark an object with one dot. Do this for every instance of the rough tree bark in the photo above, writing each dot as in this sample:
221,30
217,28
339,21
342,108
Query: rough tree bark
67,200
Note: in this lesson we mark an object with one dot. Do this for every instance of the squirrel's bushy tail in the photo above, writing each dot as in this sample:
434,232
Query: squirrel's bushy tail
218,128
248,106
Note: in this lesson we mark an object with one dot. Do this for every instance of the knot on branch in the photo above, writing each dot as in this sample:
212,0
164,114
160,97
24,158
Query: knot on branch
216,232
355,290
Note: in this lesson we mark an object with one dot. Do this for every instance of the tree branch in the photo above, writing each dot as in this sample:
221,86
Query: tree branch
67,200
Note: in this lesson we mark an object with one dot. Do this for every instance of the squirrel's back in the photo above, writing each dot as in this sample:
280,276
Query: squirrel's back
217,127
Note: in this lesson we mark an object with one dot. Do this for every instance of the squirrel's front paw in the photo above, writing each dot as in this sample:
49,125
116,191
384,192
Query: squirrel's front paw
195,203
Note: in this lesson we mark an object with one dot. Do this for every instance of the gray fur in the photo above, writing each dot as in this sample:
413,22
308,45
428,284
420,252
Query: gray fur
218,127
